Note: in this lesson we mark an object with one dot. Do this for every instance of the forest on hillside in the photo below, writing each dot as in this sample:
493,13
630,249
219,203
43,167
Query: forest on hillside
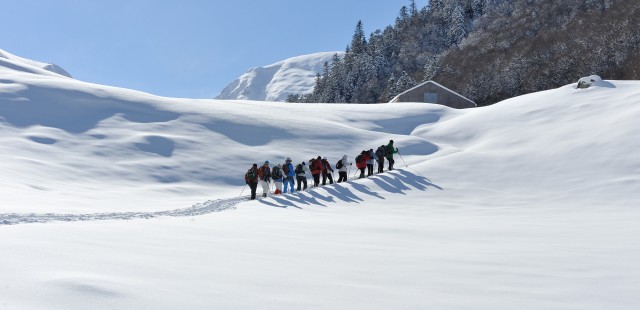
486,50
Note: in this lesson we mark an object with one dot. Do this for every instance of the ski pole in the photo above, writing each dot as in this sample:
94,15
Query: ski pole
402,159
245,186
416,171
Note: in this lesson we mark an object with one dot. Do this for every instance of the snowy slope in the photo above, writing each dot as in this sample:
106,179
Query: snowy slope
277,81
14,62
527,204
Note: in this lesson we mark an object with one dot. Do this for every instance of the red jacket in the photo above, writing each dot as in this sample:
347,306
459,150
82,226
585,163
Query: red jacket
326,166
316,168
363,162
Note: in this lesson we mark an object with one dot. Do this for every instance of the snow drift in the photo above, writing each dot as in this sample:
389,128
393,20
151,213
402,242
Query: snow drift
530,203
14,62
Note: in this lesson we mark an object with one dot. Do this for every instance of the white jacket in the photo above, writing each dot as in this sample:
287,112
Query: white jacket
345,164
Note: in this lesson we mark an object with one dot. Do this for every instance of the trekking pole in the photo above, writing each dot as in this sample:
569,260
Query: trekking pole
416,171
245,186
402,159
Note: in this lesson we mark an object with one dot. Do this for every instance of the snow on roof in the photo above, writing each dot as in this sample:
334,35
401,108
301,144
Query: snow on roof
433,82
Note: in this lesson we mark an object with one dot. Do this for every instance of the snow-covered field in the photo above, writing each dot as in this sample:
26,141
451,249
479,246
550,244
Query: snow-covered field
531,203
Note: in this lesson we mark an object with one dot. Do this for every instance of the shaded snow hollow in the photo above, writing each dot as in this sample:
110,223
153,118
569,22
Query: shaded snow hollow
527,204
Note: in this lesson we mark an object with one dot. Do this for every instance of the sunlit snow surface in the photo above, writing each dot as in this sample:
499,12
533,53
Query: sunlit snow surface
117,199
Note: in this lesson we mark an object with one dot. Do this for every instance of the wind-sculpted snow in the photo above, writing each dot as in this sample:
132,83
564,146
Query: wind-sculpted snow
31,66
527,204
195,210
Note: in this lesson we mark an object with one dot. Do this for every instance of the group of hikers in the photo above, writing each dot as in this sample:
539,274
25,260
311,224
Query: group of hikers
283,175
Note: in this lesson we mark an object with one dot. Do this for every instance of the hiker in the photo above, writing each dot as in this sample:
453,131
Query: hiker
327,171
380,153
372,159
389,151
342,169
316,170
251,178
277,176
361,162
289,174
265,178
301,175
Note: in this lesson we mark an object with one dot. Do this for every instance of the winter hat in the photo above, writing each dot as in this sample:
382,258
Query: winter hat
266,162
255,165
325,158
288,158
279,165
344,157
304,164
390,141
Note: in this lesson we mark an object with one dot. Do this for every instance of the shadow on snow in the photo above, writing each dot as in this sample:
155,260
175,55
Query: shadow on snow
398,181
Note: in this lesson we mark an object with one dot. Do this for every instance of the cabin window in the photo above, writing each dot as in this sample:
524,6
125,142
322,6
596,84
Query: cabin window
431,97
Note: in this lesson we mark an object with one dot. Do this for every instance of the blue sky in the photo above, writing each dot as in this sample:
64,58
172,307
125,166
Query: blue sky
181,48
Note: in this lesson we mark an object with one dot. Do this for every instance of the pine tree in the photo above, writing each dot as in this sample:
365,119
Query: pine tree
478,7
404,83
457,28
358,42
431,67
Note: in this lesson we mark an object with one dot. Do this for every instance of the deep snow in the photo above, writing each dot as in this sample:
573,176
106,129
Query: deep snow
531,203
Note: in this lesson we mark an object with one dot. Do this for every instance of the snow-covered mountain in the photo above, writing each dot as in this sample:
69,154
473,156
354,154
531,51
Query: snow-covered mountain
277,81
119,199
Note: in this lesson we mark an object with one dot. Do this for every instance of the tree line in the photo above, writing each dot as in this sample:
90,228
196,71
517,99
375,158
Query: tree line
486,50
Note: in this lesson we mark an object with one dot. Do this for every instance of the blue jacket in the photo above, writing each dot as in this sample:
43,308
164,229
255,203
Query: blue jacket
291,173
373,158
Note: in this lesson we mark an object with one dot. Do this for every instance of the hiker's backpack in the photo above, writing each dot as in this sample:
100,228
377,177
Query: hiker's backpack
388,150
339,164
285,169
264,173
380,152
299,169
359,159
250,175
276,173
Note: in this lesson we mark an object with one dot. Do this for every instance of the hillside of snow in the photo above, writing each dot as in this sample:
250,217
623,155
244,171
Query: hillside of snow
10,61
118,199
277,81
